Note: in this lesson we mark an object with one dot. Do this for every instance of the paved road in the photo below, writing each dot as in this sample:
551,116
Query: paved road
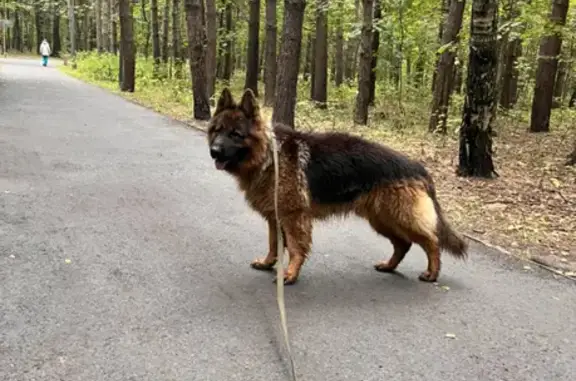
158,285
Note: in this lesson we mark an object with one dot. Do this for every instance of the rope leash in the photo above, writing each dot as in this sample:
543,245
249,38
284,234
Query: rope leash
280,259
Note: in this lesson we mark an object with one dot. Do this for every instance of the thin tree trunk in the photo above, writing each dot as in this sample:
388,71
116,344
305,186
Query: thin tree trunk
228,55
148,31
165,32
550,46
352,47
99,26
127,47
475,154
56,42
320,83
271,68
508,94
211,31
196,46
115,45
289,62
17,35
106,26
363,96
443,21
176,39
339,58
253,48
155,33
307,58
72,32
445,67
560,83
374,58
312,65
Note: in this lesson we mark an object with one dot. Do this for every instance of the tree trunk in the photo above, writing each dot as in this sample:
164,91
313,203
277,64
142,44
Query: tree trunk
211,31
363,96
509,92
441,27
99,25
176,39
545,74
339,58
229,52
572,102
289,62
127,47
165,32
38,21
111,18
445,67
196,46
475,155
148,31
17,35
253,48
115,46
106,26
271,68
352,47
312,64
320,84
560,83
56,42
155,33
72,32
374,58
510,52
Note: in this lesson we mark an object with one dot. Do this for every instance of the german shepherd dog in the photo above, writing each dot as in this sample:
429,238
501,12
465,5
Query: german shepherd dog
328,174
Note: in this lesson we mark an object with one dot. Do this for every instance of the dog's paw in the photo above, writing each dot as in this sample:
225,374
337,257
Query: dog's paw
289,279
428,276
262,265
384,267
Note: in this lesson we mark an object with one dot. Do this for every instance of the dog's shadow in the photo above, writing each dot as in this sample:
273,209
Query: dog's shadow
337,290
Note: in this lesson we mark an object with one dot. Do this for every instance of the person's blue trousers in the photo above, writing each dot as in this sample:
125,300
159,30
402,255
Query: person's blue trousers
44,60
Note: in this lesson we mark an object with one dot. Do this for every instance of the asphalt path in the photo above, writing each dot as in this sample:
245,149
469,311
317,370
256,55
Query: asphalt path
124,255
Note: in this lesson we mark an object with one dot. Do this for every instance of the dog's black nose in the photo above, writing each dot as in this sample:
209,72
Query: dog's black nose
215,151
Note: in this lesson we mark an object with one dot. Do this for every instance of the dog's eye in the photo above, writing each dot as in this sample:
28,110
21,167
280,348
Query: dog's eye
236,134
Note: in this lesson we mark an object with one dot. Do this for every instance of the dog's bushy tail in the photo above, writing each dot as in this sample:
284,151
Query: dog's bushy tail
448,239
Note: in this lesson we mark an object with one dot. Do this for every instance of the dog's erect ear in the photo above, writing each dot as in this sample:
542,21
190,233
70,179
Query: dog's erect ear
225,101
249,104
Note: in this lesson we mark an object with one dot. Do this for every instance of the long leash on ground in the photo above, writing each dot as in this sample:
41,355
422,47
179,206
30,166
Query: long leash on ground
280,259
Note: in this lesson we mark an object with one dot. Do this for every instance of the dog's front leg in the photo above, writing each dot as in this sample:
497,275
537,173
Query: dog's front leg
269,261
298,239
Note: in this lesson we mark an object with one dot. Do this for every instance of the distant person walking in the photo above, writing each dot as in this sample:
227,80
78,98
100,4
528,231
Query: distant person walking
45,52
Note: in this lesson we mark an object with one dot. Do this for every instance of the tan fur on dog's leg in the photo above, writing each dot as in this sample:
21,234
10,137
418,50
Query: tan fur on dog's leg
298,232
401,248
267,263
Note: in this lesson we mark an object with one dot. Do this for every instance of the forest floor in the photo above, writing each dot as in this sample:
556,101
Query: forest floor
529,210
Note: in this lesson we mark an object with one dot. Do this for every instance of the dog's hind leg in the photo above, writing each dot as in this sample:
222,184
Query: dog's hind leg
401,248
267,263
432,250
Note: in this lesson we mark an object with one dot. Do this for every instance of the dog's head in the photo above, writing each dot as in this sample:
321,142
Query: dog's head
235,134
